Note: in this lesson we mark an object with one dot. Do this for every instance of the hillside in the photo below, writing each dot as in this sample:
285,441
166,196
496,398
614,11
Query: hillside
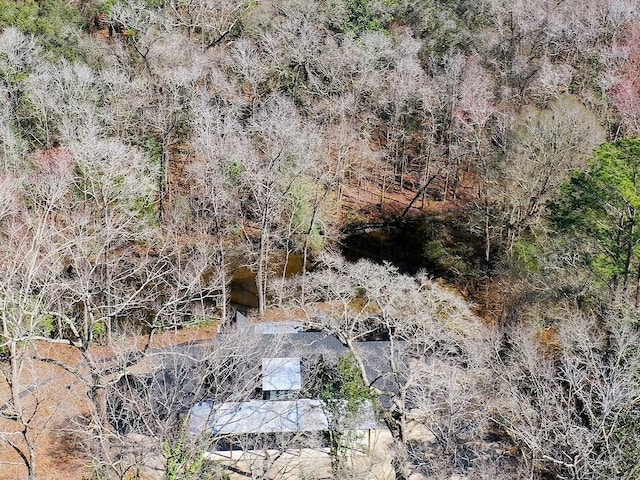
457,179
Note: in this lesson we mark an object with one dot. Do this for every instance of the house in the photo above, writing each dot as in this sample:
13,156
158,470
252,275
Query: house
258,416
255,389
294,340
283,410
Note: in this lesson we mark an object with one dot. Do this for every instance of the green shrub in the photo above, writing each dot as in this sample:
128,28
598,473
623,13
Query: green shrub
99,329
525,256
107,6
52,22
344,382
364,16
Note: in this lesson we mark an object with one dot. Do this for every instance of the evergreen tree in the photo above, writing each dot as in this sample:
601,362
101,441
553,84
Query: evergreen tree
602,206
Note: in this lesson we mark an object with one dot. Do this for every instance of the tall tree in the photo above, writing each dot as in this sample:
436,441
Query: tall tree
602,206
214,175
429,330
285,148
568,396
543,148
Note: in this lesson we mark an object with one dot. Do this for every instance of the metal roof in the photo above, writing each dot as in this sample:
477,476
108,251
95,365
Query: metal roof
266,416
281,374
259,416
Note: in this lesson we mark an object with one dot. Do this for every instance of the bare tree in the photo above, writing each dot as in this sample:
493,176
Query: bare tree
218,142
116,187
148,404
543,148
28,268
424,326
622,85
209,21
567,395
284,149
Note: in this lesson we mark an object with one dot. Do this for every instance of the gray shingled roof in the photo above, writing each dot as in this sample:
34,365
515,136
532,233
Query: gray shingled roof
267,328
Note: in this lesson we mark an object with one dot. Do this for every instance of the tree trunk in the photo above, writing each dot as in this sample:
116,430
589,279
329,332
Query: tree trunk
224,314
261,280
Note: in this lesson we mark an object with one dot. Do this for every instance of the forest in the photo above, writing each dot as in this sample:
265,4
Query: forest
457,180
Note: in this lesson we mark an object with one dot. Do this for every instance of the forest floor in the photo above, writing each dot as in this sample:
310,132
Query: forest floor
368,203
63,403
